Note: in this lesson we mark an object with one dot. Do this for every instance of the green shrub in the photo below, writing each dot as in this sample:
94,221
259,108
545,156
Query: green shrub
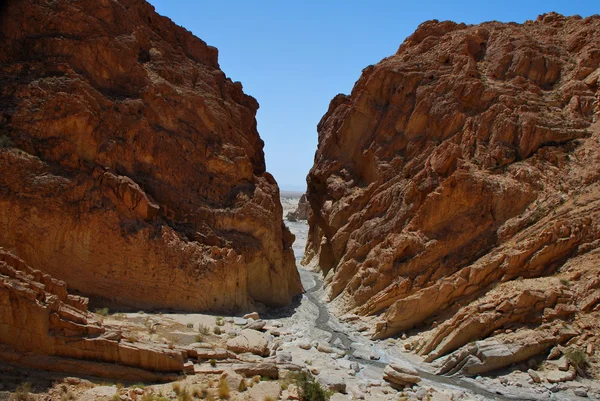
220,321
102,311
577,358
204,330
311,390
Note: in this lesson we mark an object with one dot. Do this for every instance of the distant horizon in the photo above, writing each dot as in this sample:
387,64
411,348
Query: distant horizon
294,57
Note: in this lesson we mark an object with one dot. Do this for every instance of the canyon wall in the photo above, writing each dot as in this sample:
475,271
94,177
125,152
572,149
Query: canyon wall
131,166
43,326
456,191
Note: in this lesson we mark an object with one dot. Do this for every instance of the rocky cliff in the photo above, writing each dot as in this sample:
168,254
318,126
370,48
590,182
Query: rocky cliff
456,190
131,166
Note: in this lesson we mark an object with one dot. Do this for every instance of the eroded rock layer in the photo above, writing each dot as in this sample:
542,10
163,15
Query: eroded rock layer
131,167
43,326
458,185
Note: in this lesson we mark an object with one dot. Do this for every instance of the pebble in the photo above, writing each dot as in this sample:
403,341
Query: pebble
580,392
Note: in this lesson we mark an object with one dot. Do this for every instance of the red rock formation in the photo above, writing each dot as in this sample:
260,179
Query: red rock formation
137,173
465,160
42,325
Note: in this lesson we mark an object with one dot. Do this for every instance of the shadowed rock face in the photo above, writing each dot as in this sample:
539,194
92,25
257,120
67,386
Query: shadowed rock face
137,173
465,160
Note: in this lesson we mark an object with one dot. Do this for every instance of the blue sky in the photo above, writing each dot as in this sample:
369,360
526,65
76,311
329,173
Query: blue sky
295,56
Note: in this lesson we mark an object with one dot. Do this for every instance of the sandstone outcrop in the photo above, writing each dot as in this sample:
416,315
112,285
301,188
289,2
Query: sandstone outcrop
43,326
400,374
301,212
131,166
455,190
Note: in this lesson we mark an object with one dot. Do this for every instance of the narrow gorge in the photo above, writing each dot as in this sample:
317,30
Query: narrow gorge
447,247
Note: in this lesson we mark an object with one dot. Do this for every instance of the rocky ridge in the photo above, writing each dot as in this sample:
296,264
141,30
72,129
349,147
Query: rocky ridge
131,165
453,194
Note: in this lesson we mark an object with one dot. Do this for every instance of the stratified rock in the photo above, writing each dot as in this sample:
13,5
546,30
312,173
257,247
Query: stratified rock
45,327
137,173
465,163
495,353
400,374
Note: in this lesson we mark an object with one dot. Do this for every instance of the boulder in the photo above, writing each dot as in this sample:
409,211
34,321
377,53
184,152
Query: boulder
559,376
400,374
265,390
332,381
249,341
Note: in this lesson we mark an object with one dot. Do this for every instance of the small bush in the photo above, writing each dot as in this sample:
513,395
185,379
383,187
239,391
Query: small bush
268,398
199,338
565,282
256,379
223,389
204,330
22,393
217,330
243,386
311,390
176,387
184,395
116,398
68,396
102,311
190,325
577,358
219,321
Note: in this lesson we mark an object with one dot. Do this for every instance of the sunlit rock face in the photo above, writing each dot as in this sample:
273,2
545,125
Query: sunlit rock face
465,163
132,168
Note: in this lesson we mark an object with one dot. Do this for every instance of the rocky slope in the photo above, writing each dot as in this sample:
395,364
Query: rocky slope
131,165
455,191
43,326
